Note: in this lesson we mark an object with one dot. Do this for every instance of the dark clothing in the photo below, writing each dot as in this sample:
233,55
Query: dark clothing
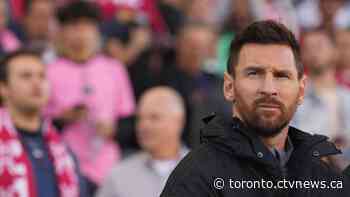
202,95
231,151
145,72
283,156
347,171
115,30
43,169
37,151
173,17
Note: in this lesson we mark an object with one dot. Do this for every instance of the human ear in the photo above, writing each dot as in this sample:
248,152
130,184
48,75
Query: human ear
229,87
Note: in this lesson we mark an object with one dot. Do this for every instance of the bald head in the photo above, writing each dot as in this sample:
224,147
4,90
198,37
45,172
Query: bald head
161,116
163,99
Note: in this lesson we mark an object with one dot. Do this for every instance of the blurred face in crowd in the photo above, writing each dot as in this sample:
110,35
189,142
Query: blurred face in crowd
39,20
2,14
26,87
318,52
80,38
160,120
343,46
265,87
195,44
241,15
202,10
330,8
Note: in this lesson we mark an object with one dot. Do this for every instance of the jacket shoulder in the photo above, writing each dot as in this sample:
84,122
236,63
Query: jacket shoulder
191,175
195,174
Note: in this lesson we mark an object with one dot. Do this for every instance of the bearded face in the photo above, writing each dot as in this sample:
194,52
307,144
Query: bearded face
266,115
265,87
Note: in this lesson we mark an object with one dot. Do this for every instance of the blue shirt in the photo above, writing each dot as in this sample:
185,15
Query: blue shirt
43,168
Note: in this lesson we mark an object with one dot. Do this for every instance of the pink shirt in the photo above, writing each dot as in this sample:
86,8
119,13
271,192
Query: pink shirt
8,41
101,84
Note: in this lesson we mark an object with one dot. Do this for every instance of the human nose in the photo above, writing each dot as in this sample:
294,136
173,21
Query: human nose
268,86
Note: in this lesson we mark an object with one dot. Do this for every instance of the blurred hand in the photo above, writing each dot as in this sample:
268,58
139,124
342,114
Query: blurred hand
105,129
74,114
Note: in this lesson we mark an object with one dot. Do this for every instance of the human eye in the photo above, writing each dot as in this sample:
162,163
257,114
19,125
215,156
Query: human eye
252,73
282,75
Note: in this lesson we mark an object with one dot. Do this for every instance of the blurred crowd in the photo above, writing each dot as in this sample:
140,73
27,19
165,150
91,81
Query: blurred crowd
130,80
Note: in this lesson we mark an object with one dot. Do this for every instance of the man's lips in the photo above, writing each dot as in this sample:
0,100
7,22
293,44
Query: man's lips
268,106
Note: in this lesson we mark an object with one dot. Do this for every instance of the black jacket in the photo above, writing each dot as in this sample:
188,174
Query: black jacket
232,154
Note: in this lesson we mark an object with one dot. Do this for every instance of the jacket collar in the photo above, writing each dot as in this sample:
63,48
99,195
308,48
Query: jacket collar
234,138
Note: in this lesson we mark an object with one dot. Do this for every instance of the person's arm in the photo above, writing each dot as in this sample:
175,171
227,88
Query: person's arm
121,105
70,116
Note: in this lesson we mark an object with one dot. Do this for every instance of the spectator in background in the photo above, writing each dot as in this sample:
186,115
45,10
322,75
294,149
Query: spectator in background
129,40
245,12
90,92
342,38
126,38
143,9
241,14
326,108
161,117
282,11
200,89
212,12
34,160
173,14
16,10
8,40
38,26
202,11
323,13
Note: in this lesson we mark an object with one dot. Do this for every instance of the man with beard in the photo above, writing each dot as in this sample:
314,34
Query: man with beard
323,95
257,153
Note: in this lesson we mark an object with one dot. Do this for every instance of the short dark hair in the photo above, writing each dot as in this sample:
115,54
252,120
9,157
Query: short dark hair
77,10
10,56
264,32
